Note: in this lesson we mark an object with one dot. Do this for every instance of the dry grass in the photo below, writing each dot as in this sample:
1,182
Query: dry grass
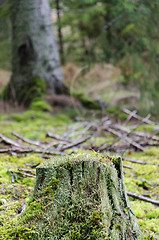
101,81
4,78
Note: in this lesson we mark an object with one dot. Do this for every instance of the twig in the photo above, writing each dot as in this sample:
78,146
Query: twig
129,167
139,134
11,173
23,207
136,161
133,143
131,114
26,170
25,174
57,137
75,144
9,141
136,116
19,150
36,143
32,165
134,195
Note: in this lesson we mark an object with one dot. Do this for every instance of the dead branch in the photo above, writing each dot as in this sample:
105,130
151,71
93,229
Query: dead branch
57,137
137,117
134,195
74,144
25,150
9,141
136,161
11,173
139,134
130,141
25,174
26,170
129,167
131,114
32,165
36,143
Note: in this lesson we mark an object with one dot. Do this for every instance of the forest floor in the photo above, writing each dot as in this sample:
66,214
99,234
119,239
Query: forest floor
17,163
108,134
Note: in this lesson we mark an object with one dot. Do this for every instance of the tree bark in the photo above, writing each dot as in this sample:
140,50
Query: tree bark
83,197
35,57
60,36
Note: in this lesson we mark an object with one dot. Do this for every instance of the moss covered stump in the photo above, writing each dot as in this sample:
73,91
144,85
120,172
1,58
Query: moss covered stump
82,197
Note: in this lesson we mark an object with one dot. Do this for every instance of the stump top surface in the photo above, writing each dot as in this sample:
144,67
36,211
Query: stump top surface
77,158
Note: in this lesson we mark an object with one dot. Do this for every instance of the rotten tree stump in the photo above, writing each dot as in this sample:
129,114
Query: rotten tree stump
83,197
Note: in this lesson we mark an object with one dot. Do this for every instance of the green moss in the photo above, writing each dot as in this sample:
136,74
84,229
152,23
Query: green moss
86,101
149,225
117,113
33,89
40,105
26,92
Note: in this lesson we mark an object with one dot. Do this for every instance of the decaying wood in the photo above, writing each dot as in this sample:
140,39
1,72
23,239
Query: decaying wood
36,143
9,141
11,173
137,161
124,138
57,137
134,195
86,187
32,165
130,141
74,144
26,170
137,117
129,167
24,174
25,150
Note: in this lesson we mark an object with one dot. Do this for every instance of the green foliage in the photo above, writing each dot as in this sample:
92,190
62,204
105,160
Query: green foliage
86,101
40,105
122,32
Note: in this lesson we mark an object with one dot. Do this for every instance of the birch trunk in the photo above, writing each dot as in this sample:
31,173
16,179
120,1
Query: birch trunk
35,56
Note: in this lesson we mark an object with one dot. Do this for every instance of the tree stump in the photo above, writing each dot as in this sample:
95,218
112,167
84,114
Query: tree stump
83,197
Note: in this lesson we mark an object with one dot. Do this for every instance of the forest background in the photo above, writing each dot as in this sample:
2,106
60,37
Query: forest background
90,33
109,52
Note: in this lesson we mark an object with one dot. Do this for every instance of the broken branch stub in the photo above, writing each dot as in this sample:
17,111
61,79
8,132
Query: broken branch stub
83,197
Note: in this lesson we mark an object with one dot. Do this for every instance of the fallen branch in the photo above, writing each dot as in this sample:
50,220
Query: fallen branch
19,150
138,134
129,167
32,165
11,173
9,141
26,170
25,174
74,144
136,116
36,143
136,161
134,195
130,141
57,137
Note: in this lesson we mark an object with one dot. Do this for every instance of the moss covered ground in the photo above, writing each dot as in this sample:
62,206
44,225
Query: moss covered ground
142,179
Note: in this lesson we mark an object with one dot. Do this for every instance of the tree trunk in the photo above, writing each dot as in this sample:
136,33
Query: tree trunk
82,197
60,36
35,60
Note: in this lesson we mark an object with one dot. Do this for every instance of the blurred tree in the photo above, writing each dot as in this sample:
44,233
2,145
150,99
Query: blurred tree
35,60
